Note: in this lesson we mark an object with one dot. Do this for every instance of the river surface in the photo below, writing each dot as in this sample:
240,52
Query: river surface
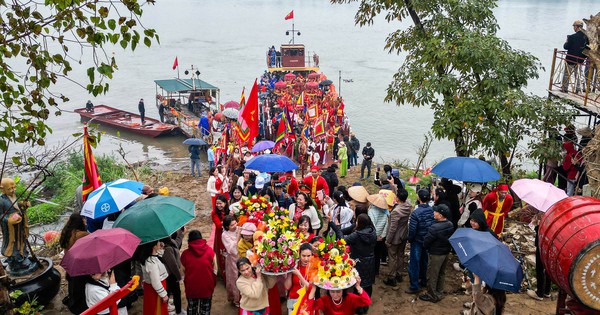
227,41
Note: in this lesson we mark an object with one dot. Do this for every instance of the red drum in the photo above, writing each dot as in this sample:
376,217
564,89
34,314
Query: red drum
570,247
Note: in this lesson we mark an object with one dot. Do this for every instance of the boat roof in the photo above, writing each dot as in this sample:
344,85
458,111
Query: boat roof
184,85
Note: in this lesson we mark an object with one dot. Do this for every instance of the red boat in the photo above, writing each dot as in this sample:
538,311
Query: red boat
127,121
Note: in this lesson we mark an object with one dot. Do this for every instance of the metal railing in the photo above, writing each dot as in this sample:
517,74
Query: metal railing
309,60
574,78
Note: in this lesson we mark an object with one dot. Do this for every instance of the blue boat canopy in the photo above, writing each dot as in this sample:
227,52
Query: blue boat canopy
184,85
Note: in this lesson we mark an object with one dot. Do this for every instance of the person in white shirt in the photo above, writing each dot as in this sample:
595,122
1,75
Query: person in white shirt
99,286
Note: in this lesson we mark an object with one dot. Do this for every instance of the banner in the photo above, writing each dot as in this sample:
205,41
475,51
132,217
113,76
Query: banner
91,177
290,15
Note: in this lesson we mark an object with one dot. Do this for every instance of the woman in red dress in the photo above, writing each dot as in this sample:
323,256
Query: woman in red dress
218,214
339,302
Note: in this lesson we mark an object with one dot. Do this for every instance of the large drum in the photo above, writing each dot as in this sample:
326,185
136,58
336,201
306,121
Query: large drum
570,247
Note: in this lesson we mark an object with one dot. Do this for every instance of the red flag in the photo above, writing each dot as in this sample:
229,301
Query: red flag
91,177
175,64
250,111
290,15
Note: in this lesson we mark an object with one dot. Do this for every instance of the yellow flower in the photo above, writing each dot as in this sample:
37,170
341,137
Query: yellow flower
336,281
343,241
321,246
271,214
338,259
338,272
269,234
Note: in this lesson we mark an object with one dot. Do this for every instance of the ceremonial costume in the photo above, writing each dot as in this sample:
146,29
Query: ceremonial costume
496,210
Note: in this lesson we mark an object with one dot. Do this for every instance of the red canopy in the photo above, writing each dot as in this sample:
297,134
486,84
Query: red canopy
290,76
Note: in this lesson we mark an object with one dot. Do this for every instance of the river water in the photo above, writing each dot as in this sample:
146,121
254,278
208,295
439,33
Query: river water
227,40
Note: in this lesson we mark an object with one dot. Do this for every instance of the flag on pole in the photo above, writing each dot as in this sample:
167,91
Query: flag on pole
288,122
319,128
175,64
290,15
250,112
281,132
91,177
242,127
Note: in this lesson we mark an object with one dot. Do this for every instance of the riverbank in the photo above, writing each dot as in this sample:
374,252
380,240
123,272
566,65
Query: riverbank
386,300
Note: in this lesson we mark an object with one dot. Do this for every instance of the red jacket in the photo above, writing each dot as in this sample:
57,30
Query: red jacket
572,158
200,279
349,304
321,184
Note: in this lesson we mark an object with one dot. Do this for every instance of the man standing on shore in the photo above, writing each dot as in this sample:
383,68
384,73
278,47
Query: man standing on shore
420,221
142,110
353,150
368,152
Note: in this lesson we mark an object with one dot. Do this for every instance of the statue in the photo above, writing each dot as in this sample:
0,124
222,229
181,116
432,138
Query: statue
15,230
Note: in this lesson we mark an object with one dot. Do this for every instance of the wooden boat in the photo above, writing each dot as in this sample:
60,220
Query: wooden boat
128,121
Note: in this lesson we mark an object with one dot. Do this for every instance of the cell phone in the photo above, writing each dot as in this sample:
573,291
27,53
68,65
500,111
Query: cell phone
418,187
434,181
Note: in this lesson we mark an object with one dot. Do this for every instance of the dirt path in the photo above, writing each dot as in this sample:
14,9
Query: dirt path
386,300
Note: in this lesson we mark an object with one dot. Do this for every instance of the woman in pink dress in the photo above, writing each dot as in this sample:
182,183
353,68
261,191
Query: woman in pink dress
230,242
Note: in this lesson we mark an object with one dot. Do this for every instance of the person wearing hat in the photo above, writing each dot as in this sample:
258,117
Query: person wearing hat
574,45
316,182
246,241
473,202
420,221
142,110
378,213
437,244
496,206
283,199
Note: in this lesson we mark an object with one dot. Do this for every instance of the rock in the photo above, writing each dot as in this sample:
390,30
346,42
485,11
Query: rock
530,260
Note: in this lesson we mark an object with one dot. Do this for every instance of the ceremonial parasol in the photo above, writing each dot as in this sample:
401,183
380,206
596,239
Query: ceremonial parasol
487,257
230,113
466,169
326,82
538,194
194,141
263,145
99,251
232,104
271,163
157,217
111,197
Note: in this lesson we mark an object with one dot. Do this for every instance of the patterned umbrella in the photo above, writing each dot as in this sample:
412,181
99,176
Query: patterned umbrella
111,197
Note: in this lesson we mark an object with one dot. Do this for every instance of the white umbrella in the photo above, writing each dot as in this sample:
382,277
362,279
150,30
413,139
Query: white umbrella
111,197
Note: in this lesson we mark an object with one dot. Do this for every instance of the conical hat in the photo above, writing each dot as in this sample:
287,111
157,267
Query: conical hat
378,201
358,193
388,195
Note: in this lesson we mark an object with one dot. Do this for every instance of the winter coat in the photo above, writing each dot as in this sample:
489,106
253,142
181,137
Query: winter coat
362,250
575,45
200,271
171,257
194,152
331,178
398,230
479,217
420,221
379,217
436,240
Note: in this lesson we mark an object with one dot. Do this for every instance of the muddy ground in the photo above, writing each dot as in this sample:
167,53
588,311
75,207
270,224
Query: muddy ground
386,300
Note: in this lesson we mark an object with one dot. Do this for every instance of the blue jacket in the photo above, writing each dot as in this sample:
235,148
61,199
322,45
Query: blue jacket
420,221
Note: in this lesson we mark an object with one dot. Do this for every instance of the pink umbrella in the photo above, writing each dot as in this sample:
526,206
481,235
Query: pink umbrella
232,104
538,194
99,251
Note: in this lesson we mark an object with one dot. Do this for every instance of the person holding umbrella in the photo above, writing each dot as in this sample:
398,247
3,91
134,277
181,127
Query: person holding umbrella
486,300
74,229
155,278
195,159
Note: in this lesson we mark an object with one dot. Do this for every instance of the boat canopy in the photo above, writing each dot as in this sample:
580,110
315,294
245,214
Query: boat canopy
184,85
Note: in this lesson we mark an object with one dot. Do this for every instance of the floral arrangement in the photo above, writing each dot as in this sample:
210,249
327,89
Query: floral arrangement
251,209
336,268
278,247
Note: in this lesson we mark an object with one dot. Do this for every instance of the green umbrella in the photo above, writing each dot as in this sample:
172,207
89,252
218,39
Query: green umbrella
157,217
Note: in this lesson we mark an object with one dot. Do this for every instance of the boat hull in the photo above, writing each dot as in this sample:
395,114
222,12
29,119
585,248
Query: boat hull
128,121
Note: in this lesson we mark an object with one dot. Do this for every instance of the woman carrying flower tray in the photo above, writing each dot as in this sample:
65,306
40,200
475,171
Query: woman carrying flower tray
339,302
298,278
253,288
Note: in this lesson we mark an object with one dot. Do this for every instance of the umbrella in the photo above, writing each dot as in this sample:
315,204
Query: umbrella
194,141
111,197
539,194
466,169
231,113
99,251
157,217
271,163
232,104
218,116
326,82
263,145
487,257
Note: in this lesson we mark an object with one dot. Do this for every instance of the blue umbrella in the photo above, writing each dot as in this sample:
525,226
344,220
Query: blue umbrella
466,169
271,163
263,145
111,197
194,141
487,257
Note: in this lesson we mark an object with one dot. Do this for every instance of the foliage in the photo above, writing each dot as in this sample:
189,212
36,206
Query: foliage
28,307
469,77
67,176
37,45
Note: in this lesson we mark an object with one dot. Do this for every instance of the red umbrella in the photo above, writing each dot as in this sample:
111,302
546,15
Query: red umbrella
218,116
232,104
99,251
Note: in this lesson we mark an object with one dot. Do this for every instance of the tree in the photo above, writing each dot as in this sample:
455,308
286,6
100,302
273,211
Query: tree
469,77
38,43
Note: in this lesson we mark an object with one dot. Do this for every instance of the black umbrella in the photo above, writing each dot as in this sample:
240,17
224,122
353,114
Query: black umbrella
326,83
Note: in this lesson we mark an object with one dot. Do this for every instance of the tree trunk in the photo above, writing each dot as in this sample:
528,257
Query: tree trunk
505,166
6,305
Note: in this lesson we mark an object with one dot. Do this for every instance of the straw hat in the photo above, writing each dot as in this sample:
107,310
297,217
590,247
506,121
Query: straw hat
358,193
389,196
378,201
586,131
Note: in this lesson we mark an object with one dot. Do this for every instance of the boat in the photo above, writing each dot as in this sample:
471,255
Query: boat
127,121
